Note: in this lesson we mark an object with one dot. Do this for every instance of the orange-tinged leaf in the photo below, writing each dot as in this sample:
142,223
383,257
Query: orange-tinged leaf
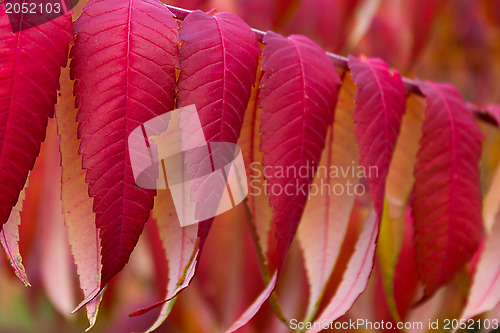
328,210
491,202
298,92
400,178
249,142
79,218
398,187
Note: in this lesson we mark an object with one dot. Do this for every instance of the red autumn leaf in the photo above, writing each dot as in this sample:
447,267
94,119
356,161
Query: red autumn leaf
356,275
124,62
219,56
326,217
447,199
298,97
296,111
30,64
380,104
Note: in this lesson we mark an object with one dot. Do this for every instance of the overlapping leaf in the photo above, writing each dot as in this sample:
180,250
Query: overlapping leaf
298,95
181,249
398,188
30,64
79,218
447,199
124,62
218,58
380,104
328,211
356,275
249,142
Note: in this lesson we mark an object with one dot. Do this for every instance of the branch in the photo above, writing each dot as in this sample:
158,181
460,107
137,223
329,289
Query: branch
479,111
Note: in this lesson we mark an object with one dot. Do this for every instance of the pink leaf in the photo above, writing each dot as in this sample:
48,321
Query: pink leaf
56,264
9,239
30,63
124,62
327,214
380,104
79,218
254,308
447,199
356,276
298,97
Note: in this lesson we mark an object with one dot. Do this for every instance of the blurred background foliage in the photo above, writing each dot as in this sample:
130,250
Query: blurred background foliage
441,40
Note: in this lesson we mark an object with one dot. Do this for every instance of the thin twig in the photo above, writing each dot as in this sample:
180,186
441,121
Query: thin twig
341,62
